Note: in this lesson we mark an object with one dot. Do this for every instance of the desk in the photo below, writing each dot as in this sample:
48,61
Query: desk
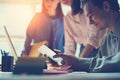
69,76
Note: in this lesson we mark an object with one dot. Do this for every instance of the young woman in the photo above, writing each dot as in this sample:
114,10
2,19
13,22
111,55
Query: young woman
47,25
78,31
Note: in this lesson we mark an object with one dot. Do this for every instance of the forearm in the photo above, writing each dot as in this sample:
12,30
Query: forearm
86,51
106,64
84,64
70,49
70,44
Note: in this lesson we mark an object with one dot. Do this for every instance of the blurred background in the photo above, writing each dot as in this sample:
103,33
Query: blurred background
16,15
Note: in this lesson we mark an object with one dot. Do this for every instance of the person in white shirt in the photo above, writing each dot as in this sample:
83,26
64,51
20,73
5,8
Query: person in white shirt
78,31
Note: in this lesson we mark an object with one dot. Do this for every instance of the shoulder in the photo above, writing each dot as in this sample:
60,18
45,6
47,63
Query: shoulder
42,17
76,16
69,15
38,14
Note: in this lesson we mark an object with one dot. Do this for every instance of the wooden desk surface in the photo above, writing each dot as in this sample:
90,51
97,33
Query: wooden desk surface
69,76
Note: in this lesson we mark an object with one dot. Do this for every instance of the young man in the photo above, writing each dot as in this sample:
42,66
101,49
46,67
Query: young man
103,14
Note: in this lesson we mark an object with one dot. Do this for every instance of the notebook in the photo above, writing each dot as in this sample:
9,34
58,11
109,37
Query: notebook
13,51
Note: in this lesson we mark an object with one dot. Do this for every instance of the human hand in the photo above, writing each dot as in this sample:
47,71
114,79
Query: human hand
68,60
52,62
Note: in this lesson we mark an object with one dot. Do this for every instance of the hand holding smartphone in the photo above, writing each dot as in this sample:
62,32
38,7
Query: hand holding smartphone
47,51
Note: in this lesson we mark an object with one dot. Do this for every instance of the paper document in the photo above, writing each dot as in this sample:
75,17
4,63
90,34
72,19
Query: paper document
47,51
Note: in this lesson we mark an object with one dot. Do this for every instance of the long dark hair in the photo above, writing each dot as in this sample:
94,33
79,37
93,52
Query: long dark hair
76,7
59,12
99,3
113,3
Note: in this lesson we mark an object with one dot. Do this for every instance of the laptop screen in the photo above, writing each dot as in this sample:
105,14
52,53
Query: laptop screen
13,51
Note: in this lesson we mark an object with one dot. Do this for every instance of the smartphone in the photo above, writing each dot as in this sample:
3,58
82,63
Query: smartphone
47,51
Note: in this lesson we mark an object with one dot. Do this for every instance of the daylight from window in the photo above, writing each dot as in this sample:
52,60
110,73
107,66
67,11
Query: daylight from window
16,18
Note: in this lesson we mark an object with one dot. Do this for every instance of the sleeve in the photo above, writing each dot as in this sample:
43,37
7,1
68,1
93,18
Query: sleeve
106,64
30,32
93,36
70,45
98,65
84,64
104,49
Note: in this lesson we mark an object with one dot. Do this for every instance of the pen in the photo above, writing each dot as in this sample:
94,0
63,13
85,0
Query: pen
6,53
2,52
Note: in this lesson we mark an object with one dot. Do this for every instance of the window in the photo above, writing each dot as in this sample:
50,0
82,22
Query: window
16,17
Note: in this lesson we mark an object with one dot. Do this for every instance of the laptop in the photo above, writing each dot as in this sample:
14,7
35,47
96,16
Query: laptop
13,51
34,48
28,65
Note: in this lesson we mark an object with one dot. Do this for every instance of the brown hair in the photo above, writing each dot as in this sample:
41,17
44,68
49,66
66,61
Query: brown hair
99,3
59,12
76,7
